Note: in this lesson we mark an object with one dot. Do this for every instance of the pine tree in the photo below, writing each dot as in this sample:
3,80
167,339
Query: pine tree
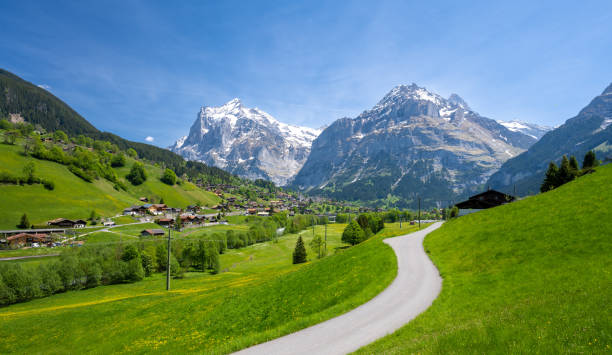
551,179
25,222
299,254
589,160
574,165
565,172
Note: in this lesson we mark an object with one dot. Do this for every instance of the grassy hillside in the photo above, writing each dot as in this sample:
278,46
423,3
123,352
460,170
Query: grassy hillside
533,276
75,198
260,296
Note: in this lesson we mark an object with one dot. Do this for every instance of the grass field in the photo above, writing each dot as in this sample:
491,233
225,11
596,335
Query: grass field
75,198
533,276
260,296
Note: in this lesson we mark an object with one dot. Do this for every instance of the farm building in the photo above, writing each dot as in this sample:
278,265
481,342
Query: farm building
152,232
487,199
67,223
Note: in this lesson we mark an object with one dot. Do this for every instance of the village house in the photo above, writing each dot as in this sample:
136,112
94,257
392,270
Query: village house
152,232
165,221
26,239
67,223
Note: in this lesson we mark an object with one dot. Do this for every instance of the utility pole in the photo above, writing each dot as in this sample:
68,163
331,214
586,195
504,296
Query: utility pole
419,212
168,265
325,238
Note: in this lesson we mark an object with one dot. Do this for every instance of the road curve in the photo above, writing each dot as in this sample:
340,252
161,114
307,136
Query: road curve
415,287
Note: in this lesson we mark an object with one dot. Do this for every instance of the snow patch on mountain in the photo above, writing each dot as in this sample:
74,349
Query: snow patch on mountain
530,129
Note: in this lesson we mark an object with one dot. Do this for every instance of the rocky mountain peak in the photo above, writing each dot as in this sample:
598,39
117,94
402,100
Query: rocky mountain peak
412,92
246,141
608,90
458,101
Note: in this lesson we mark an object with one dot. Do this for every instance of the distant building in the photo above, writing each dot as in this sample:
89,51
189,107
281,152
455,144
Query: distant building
67,223
152,232
487,199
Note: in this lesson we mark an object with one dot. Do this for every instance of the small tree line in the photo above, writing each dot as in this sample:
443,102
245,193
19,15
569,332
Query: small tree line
567,171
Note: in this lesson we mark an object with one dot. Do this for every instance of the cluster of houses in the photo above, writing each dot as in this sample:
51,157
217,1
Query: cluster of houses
154,209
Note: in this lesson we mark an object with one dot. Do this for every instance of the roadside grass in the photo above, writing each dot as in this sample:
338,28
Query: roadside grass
260,296
123,220
533,276
74,198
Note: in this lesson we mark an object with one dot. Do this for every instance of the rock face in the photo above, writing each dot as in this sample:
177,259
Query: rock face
412,143
590,129
247,142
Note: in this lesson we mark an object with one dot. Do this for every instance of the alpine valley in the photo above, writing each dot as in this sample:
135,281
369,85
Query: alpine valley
413,143
247,142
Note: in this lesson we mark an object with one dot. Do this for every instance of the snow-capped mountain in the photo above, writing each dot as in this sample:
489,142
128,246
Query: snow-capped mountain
530,129
413,142
247,142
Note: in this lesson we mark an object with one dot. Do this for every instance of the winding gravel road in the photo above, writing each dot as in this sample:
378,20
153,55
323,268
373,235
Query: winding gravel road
417,284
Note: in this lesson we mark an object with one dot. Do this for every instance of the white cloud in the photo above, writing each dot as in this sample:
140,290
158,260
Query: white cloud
44,86
149,139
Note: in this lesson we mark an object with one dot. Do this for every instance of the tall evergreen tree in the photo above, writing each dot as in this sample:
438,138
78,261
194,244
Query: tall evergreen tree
565,172
552,178
299,254
24,222
589,160
574,165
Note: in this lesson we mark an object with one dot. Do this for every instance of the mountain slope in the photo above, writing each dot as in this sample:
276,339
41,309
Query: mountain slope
247,142
40,107
412,143
532,276
75,198
590,129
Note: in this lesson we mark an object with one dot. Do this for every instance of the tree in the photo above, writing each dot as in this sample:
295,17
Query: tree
353,234
454,212
118,160
551,180
169,177
137,174
25,222
28,172
363,221
315,244
130,252
299,254
590,161
93,216
60,136
573,163
565,172
132,153
147,263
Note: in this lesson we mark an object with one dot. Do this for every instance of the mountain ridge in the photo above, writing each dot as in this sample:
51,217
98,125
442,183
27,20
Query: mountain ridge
590,129
411,143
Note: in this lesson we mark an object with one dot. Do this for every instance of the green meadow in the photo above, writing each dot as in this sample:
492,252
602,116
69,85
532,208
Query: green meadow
260,295
533,276
76,198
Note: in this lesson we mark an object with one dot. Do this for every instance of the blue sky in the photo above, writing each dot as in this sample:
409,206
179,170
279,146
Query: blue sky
143,68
